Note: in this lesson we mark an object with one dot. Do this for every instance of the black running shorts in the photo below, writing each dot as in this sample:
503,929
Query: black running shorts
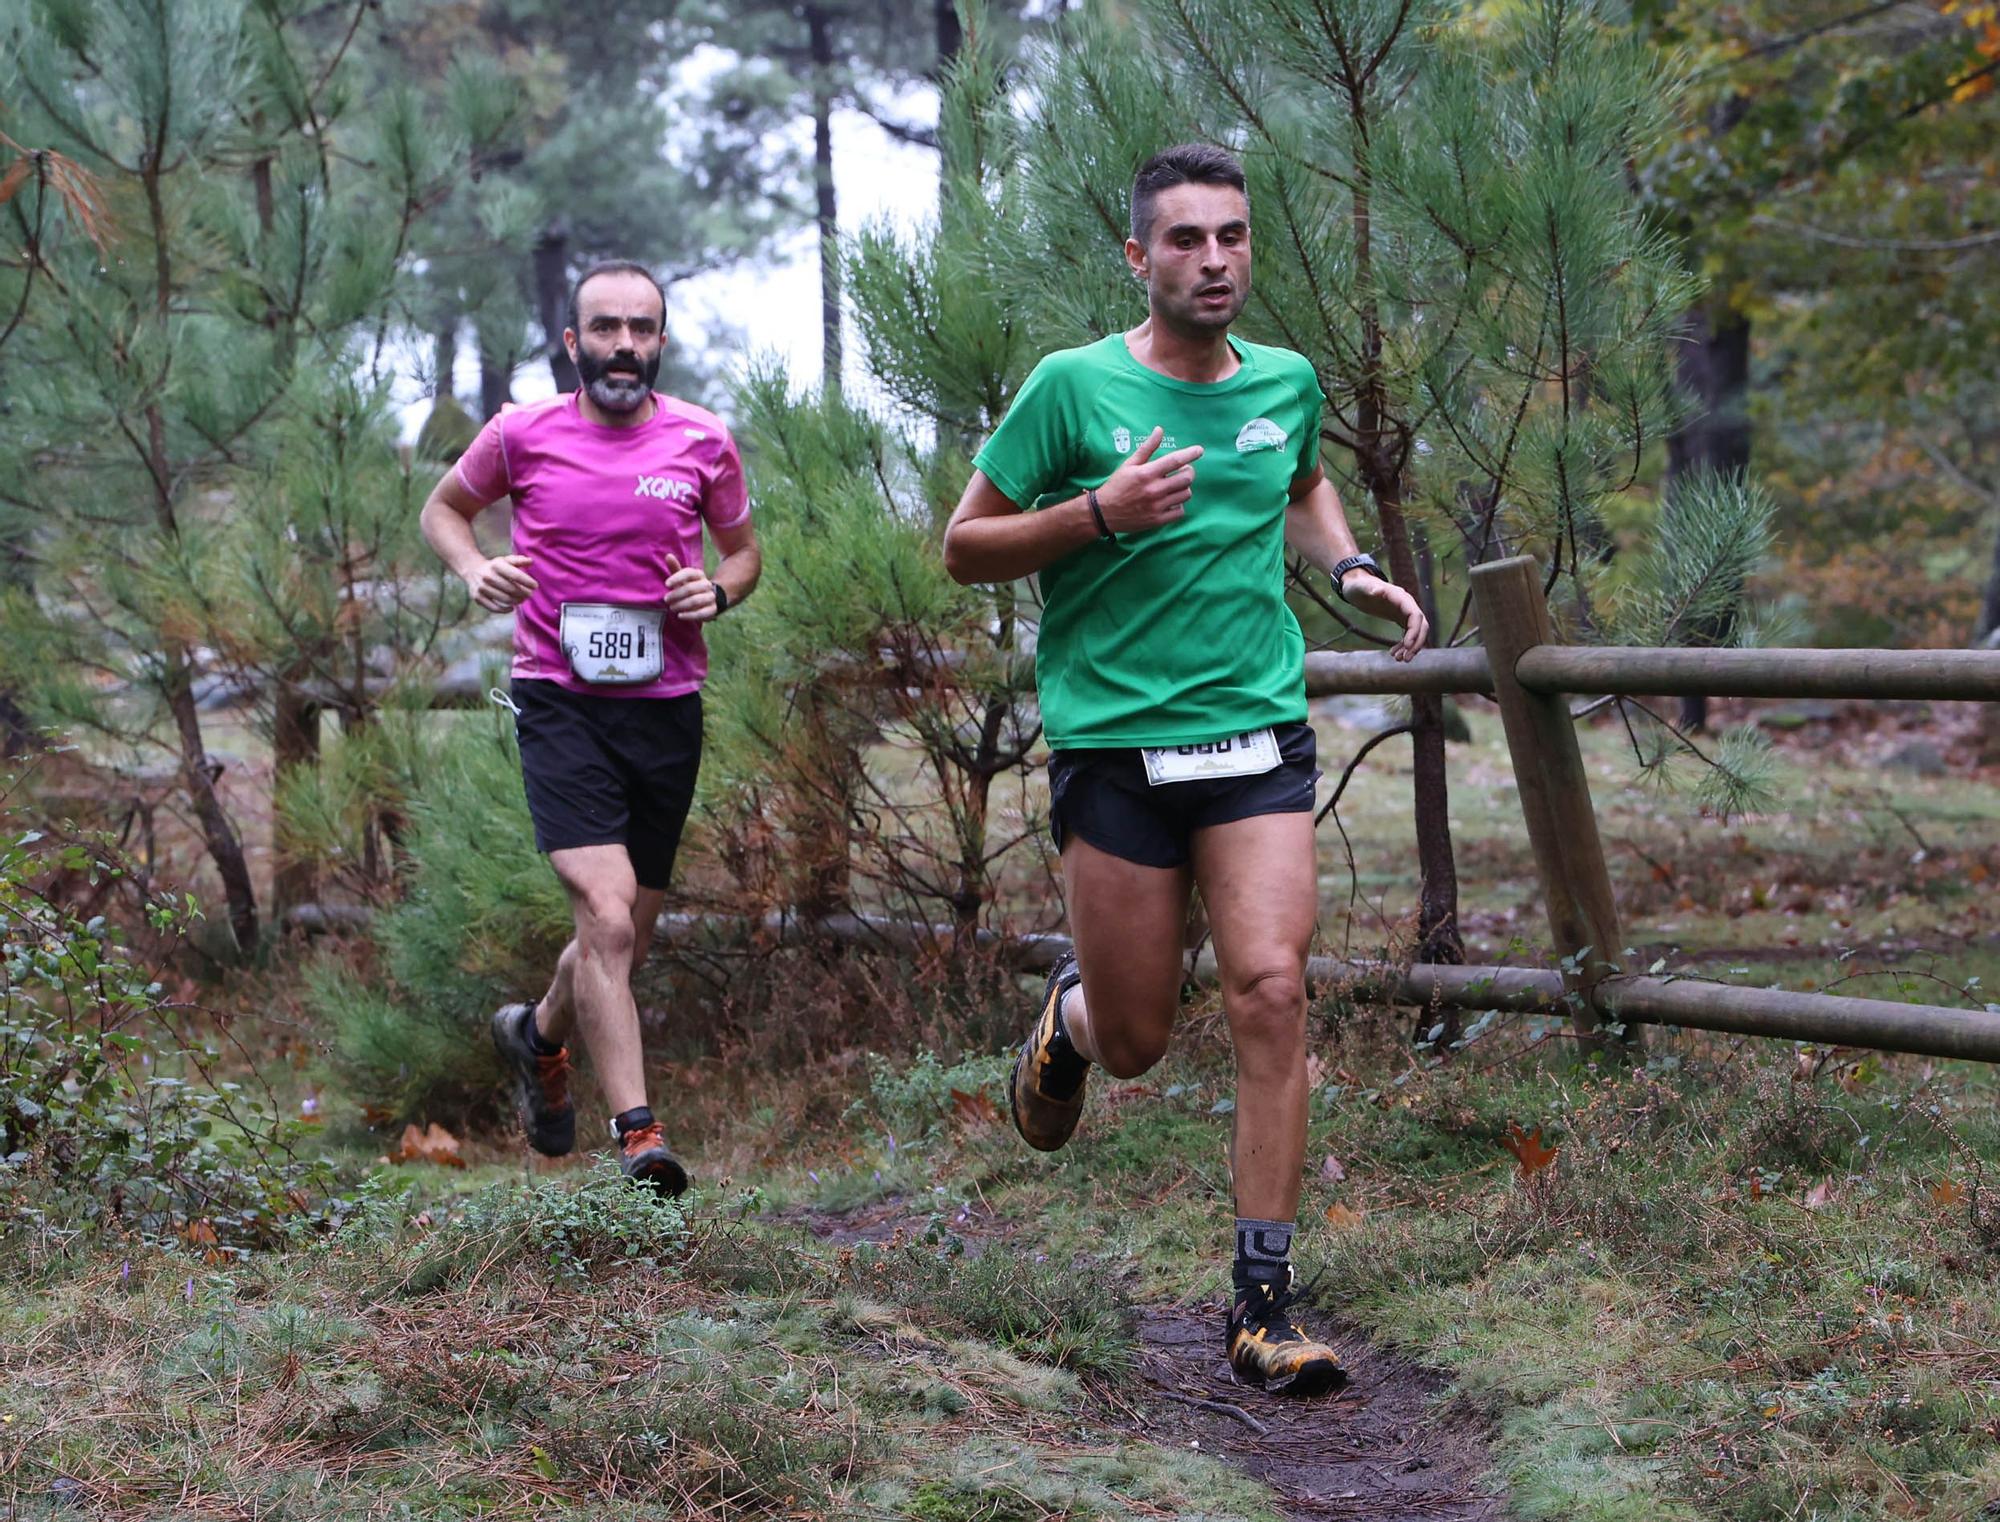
604,771
1103,797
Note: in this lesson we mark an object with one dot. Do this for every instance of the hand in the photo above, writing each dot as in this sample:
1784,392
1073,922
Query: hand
502,584
1145,493
690,594
1384,599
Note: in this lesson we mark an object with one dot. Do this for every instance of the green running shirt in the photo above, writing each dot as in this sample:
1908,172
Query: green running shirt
1179,635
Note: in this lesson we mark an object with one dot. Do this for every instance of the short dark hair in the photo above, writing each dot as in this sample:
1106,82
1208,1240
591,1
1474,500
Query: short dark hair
1184,164
613,267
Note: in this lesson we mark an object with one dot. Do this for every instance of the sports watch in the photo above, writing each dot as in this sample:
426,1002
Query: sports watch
1353,563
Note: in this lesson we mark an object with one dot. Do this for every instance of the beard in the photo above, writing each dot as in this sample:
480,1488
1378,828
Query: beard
620,382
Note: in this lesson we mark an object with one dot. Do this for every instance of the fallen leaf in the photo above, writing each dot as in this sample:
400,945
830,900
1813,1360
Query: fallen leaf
1756,1186
1315,1071
1331,1171
200,1233
1820,1195
975,1109
1343,1215
433,1144
1948,1193
1528,1149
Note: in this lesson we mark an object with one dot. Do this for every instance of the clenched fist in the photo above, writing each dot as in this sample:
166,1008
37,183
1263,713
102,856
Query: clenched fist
502,584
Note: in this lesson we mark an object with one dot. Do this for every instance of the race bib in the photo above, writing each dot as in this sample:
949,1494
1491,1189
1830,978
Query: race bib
1240,756
611,645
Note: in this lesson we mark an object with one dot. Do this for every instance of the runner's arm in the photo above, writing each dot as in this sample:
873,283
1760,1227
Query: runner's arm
990,539
498,583
691,591
1316,527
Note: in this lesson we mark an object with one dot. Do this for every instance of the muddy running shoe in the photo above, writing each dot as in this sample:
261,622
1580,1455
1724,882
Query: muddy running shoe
1266,1347
1047,1086
643,1154
541,1082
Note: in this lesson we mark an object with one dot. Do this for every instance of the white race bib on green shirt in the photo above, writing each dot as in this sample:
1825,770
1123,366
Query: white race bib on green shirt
1248,755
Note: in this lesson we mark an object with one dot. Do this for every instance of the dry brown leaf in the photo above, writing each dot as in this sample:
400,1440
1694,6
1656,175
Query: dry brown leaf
1344,1215
975,1109
1948,1193
1315,1071
200,1233
433,1144
1528,1149
1331,1171
1819,1196
1756,1186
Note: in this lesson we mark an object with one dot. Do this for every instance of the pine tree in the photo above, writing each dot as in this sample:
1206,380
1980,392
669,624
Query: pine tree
200,467
856,631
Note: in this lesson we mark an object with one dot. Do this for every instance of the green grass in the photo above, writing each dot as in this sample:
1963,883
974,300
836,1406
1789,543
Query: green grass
1755,1283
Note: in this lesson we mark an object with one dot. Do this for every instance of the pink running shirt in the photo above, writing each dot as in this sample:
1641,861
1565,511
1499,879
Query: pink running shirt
597,510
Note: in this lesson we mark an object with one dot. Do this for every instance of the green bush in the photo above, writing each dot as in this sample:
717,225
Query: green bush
114,1108
481,922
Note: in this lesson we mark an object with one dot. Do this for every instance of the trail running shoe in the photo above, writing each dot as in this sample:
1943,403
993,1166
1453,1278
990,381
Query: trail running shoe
1266,1347
541,1082
643,1154
1047,1086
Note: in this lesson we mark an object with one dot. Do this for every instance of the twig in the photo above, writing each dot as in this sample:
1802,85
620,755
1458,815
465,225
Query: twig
1221,1407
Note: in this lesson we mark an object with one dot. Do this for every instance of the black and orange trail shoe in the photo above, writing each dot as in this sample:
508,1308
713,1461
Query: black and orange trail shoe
1047,1086
1266,1347
643,1154
541,1080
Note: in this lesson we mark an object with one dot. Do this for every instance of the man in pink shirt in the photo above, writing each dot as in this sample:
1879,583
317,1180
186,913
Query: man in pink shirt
612,486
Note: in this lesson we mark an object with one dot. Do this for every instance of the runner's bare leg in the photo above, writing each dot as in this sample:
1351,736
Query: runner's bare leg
592,988
1260,880
1127,922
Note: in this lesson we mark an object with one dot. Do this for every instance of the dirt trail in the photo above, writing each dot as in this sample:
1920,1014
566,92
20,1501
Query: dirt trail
1386,1447
1380,1448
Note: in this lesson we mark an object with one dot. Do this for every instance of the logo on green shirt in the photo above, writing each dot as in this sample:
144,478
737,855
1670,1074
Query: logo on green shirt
1260,433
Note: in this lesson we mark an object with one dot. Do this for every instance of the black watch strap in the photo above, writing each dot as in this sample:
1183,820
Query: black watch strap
1354,563
721,598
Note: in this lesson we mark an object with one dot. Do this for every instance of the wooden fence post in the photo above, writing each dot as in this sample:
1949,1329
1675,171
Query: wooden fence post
1553,788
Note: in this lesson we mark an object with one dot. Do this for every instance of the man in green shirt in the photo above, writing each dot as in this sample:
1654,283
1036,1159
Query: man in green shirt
1172,683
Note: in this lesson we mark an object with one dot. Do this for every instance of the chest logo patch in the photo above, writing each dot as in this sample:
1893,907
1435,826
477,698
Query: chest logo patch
1121,440
1259,433
664,488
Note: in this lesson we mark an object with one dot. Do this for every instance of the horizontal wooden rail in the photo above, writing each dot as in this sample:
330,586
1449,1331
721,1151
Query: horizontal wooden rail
1937,675
1876,1024
1335,673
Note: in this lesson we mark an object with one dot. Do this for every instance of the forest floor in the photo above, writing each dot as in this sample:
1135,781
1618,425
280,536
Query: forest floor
1731,1279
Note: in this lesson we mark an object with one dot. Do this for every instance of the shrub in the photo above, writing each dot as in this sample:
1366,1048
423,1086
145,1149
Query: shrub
114,1107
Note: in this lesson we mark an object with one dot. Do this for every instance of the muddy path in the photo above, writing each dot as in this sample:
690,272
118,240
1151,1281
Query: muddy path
1391,1446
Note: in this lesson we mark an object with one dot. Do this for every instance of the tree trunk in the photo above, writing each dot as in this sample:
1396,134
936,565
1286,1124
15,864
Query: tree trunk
552,299
496,381
1989,607
950,35
445,342
820,28
294,744
1715,371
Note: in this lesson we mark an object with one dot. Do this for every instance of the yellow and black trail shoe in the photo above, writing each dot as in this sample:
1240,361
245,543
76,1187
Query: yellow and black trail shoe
1047,1087
1266,1347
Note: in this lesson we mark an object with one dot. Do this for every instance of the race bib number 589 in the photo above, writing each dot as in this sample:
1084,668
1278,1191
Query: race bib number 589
610,644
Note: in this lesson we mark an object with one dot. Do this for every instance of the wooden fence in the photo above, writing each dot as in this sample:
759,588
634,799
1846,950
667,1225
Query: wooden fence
1532,677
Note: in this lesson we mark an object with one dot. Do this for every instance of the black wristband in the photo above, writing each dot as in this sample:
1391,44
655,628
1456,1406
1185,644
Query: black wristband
721,598
1353,563
1103,528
